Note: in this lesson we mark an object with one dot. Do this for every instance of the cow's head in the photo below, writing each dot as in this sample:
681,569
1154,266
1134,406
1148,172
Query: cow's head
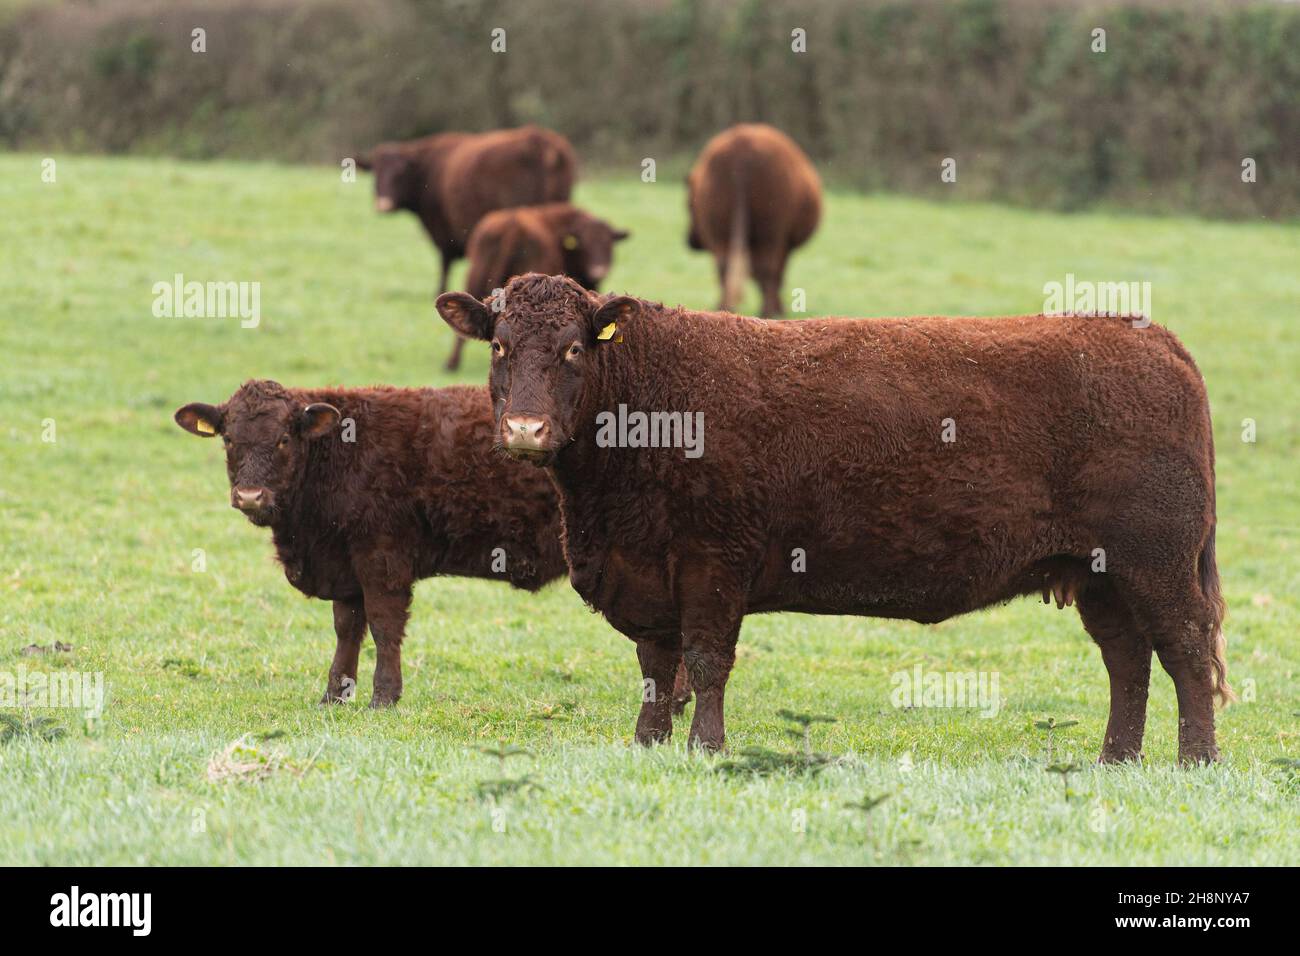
589,248
266,433
546,334
399,177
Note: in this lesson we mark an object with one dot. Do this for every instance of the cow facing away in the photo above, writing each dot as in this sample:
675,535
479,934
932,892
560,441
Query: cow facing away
753,196
923,468
368,490
554,239
452,180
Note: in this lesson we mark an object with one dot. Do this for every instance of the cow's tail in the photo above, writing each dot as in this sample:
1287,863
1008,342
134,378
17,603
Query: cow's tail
736,269
1209,574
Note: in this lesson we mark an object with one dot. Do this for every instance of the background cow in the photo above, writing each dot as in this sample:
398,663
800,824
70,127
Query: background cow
923,467
367,490
753,197
452,180
554,239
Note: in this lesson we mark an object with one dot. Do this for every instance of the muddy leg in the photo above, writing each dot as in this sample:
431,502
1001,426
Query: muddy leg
350,631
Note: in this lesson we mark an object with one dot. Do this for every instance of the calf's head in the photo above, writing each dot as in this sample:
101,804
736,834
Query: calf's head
589,248
546,333
399,178
266,433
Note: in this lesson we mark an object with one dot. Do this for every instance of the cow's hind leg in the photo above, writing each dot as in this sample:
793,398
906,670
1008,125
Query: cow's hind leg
1126,652
769,269
350,631
1183,627
660,659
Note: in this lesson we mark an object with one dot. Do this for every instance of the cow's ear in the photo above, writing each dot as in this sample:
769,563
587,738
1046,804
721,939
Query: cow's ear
620,234
319,418
606,322
466,314
365,163
199,419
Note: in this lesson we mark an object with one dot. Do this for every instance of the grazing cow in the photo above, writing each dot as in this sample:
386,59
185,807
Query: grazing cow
910,468
554,239
368,490
452,180
753,197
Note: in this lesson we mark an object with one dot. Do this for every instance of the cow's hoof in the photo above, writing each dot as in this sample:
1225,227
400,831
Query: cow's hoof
382,703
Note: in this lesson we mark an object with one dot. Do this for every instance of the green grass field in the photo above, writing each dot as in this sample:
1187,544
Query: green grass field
98,530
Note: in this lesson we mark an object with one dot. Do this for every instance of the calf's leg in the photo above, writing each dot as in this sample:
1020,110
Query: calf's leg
1126,653
659,661
350,631
387,610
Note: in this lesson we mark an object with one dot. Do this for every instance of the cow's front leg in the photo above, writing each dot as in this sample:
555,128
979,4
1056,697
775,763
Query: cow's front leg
350,631
712,609
659,659
387,610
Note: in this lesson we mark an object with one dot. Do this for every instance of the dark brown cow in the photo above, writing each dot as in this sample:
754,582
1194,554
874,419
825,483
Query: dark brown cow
452,180
753,197
368,490
554,239
924,467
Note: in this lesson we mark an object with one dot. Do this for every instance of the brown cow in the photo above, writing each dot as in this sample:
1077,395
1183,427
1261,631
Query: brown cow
753,197
452,180
368,490
910,468
554,239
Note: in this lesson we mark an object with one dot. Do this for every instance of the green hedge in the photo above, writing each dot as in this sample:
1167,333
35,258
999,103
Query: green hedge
886,90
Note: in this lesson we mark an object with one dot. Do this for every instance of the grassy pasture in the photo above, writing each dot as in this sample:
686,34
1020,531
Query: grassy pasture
98,530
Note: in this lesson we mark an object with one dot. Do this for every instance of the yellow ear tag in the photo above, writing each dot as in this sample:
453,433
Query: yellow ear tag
607,333
570,242
203,425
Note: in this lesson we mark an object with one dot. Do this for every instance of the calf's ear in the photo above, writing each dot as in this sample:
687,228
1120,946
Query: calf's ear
199,419
620,235
605,321
319,418
466,314
364,162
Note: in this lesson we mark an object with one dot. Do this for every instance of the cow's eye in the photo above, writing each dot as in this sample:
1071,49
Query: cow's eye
283,442
497,347
574,351
225,439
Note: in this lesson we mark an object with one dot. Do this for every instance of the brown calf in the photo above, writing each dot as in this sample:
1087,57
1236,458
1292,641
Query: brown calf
553,239
922,467
452,180
368,490
753,197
